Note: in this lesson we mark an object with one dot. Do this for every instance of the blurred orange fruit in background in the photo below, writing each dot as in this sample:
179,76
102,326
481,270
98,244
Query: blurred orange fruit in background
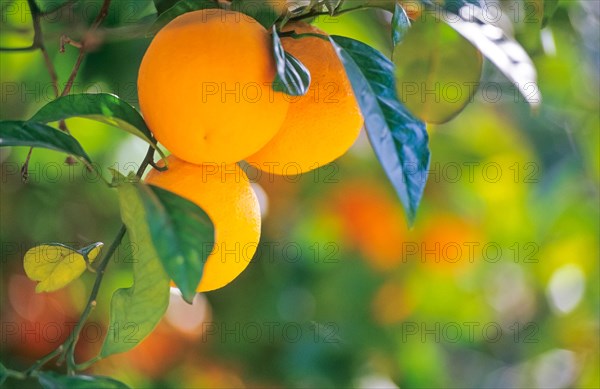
374,222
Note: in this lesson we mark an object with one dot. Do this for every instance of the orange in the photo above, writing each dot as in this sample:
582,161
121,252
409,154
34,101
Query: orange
373,221
225,194
321,125
205,87
450,243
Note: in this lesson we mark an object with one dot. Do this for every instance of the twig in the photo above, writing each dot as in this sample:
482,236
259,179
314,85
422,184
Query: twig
82,50
25,168
38,43
65,40
42,361
91,304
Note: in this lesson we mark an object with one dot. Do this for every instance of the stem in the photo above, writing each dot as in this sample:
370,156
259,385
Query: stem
38,43
51,70
87,364
15,374
25,168
42,361
148,160
82,50
91,304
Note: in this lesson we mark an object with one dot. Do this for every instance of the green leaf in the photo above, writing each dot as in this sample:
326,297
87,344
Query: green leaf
260,10
135,311
180,8
3,374
20,133
505,53
56,265
399,139
292,76
550,7
400,24
50,5
182,234
52,380
163,5
102,107
438,71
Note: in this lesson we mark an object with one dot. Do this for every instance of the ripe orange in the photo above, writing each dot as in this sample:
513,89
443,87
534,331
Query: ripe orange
205,87
225,194
321,125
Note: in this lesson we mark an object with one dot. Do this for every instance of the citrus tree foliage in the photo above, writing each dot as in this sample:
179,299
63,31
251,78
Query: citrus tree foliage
172,234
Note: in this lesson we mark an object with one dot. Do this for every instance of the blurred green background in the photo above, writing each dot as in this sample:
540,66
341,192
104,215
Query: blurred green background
495,286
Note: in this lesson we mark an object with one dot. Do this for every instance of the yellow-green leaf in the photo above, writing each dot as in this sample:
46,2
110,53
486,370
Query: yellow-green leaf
56,265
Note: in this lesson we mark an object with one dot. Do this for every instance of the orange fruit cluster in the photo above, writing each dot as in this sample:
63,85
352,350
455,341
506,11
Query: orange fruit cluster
206,91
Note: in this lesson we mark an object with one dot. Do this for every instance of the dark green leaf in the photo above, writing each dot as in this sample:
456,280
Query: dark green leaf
135,311
20,133
3,374
400,24
438,71
399,139
260,10
52,380
182,234
49,6
102,107
163,5
180,8
387,5
550,7
505,53
292,77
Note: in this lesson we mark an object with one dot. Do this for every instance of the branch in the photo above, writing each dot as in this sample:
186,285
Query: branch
38,43
91,304
82,50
